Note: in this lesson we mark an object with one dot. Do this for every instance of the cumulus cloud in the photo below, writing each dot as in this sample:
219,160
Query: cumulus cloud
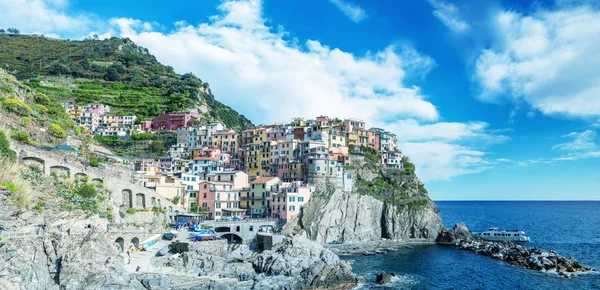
354,12
449,15
48,17
583,145
256,70
546,59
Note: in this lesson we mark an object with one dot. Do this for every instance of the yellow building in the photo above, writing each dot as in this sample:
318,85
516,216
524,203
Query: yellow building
351,139
258,159
261,191
227,141
298,122
336,139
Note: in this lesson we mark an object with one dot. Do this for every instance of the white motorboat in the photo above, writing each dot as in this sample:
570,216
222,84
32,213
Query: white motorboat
496,234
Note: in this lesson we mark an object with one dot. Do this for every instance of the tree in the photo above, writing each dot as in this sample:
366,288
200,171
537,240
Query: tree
13,31
57,131
86,190
156,146
2,31
5,150
112,74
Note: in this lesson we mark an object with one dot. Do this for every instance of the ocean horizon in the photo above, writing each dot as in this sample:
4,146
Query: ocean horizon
570,228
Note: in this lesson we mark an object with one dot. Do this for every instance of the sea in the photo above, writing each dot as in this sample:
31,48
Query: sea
571,228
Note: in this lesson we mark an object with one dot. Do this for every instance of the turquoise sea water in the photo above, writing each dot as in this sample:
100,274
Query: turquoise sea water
572,228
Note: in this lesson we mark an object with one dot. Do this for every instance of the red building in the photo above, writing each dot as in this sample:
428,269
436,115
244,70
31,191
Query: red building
173,121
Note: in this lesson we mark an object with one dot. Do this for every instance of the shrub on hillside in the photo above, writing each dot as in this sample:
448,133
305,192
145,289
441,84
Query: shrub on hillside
21,136
56,131
5,151
16,106
42,99
141,136
41,108
94,162
26,121
87,191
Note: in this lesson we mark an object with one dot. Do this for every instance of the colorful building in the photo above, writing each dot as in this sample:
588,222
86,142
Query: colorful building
261,190
173,121
288,201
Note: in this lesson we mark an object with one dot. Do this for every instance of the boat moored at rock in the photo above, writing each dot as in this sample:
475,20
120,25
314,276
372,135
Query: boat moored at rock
496,234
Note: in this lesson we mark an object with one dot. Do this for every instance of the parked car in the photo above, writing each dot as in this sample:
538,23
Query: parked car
168,236
236,218
224,218
334,243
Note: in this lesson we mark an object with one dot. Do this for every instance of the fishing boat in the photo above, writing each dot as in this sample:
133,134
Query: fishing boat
409,247
369,253
496,234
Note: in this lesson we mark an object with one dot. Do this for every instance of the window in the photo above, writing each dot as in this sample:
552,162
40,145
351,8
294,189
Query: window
205,187
193,194
218,196
292,199
218,205
190,187
318,168
292,208
300,199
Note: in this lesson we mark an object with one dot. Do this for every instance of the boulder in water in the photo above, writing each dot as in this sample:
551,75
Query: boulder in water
385,277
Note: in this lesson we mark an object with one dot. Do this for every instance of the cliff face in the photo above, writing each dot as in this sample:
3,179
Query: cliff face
389,204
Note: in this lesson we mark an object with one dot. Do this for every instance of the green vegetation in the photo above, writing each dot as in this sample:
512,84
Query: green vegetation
5,151
139,148
131,210
38,207
408,166
17,106
26,121
158,210
141,136
94,162
21,136
115,72
176,200
179,247
86,190
56,131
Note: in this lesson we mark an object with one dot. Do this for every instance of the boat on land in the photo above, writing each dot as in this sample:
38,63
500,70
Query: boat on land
369,253
496,234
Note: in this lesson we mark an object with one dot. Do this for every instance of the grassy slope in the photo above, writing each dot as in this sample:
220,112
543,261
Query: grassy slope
115,72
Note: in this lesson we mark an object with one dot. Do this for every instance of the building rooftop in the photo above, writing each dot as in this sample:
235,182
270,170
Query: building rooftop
261,180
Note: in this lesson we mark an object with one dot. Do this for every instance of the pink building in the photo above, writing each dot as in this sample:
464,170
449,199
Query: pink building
173,121
276,135
146,125
350,125
99,109
206,198
374,140
288,202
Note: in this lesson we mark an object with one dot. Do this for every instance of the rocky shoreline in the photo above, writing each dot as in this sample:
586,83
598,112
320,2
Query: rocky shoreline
358,248
517,255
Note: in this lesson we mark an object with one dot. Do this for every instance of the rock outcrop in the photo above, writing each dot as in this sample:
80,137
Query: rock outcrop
63,262
335,215
528,258
388,204
384,278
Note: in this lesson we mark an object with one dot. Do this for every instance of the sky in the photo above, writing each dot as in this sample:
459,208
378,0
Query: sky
492,100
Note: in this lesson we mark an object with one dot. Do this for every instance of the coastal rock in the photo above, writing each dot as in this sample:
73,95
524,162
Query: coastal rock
528,258
461,232
445,237
308,262
384,278
335,215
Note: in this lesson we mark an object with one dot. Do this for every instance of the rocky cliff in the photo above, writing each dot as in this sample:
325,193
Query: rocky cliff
390,204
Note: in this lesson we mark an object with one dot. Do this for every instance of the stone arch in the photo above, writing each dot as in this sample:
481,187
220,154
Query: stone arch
81,176
34,162
60,170
120,244
233,238
251,228
222,229
237,229
135,242
140,201
127,201
98,181
170,209
153,201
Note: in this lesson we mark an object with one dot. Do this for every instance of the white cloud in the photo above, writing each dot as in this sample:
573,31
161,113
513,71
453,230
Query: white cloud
43,17
449,15
546,59
583,145
256,70
354,12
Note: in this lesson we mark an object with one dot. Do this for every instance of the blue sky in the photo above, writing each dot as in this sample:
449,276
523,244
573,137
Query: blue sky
490,99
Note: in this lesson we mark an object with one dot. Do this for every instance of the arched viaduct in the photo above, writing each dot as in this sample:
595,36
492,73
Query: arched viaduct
239,231
116,179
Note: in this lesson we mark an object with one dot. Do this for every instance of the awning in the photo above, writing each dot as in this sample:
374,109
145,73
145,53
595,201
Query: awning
233,209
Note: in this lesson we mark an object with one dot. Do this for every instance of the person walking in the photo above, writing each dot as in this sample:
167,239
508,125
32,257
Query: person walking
108,227
44,227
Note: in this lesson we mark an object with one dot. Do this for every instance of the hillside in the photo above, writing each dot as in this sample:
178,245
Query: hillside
115,72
